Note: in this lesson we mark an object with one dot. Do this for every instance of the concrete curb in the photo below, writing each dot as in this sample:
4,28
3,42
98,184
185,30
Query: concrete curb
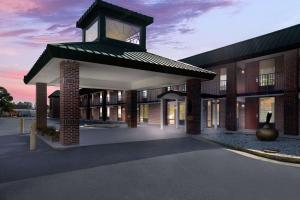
281,158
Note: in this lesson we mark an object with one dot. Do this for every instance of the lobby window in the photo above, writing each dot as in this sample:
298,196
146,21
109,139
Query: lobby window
119,95
122,31
266,105
223,79
119,112
181,111
145,94
92,33
144,113
267,72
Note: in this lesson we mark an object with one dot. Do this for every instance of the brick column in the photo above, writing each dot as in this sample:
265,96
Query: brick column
193,125
231,102
104,106
88,107
291,93
69,103
131,108
41,105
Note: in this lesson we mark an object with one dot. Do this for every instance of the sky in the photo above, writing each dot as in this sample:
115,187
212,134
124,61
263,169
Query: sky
181,28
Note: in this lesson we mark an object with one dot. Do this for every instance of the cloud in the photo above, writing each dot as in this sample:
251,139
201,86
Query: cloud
14,33
12,73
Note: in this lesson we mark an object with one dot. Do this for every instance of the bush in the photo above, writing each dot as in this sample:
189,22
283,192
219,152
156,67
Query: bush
51,132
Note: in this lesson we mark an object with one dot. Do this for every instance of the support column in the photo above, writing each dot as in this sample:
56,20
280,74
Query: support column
231,102
177,114
131,108
185,119
41,105
104,106
88,107
193,106
69,103
162,116
291,113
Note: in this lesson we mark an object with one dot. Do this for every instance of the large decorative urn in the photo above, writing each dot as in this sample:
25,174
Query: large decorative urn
267,133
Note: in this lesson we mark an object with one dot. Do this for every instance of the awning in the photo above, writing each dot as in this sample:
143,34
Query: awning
111,67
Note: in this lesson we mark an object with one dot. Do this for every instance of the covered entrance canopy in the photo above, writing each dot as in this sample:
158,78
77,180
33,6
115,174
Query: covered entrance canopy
109,67
94,65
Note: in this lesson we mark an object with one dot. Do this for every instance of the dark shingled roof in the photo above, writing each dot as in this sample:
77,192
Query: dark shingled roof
282,40
96,52
105,6
55,94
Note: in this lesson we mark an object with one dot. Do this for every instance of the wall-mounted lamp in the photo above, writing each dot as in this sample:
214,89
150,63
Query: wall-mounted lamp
243,71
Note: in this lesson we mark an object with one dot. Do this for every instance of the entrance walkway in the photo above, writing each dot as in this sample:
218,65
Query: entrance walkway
94,135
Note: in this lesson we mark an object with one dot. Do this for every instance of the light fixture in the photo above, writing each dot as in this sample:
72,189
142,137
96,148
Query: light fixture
243,71
243,105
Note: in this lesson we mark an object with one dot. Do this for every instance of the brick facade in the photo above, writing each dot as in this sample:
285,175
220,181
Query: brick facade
291,113
69,103
41,105
194,106
231,102
131,108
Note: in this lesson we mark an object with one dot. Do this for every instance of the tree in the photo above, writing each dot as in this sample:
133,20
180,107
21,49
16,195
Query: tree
6,99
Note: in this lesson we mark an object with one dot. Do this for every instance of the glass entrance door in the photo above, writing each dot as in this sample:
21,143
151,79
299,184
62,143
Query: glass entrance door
171,113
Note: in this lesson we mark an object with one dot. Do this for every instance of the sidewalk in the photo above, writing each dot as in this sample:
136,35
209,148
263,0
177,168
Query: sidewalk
283,149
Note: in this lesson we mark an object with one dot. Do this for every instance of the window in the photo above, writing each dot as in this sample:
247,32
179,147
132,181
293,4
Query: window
119,112
169,88
181,111
108,97
91,34
145,94
266,105
122,31
171,113
267,72
108,112
209,114
144,113
223,79
119,95
101,97
100,112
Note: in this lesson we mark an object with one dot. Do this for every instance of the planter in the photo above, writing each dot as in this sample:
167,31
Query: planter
267,133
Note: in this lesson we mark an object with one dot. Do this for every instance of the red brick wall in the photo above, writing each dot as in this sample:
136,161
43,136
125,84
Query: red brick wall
251,111
131,108
231,119
69,103
279,113
154,113
251,74
194,106
291,93
41,105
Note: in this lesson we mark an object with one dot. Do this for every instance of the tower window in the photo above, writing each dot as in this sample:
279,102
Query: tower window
122,31
91,33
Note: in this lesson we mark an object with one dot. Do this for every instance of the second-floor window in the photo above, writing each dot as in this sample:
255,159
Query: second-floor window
108,97
145,94
119,96
101,97
266,72
223,79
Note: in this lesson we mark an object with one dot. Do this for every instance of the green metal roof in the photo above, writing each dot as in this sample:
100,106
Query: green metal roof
55,94
102,6
274,42
95,52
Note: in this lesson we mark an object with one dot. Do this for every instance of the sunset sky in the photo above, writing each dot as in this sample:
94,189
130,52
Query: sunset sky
182,28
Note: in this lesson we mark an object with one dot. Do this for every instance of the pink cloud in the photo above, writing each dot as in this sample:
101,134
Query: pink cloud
15,33
17,6
12,73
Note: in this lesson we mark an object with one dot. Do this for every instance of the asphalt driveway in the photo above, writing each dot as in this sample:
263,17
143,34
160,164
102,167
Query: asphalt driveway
178,168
